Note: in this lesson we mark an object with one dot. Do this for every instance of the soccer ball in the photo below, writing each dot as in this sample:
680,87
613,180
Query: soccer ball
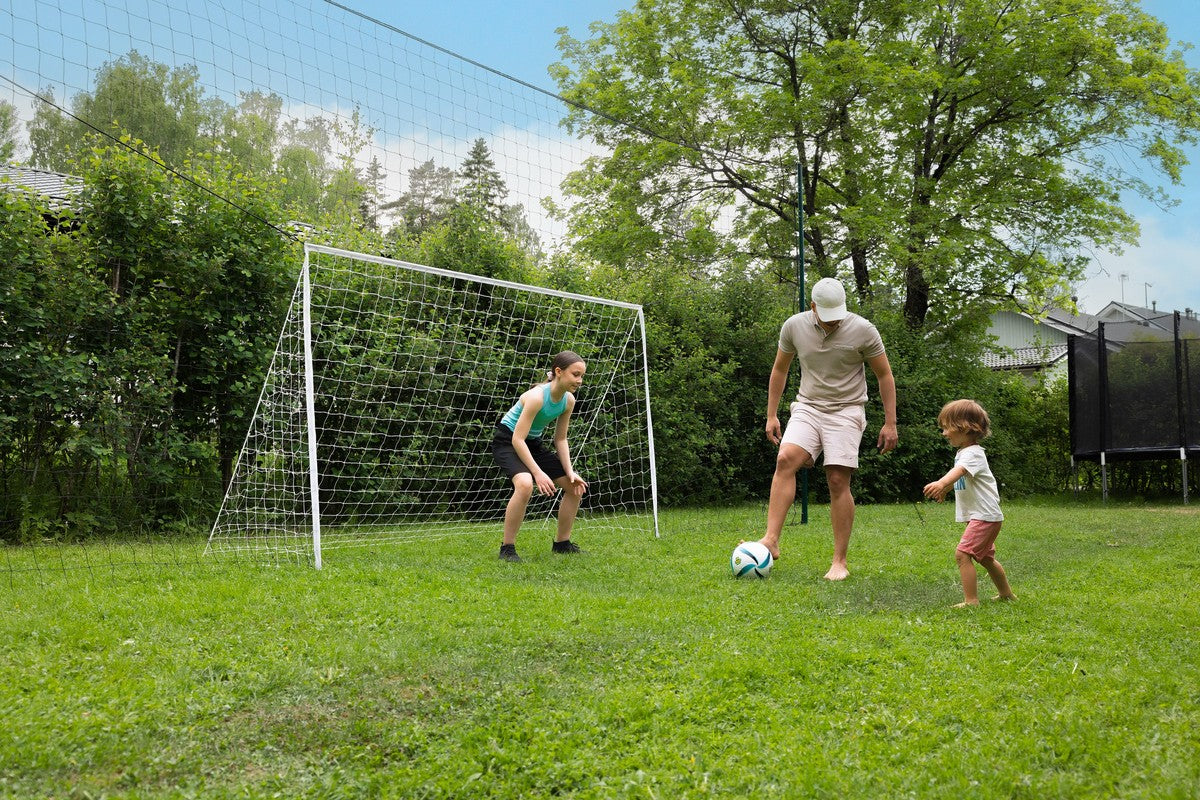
751,560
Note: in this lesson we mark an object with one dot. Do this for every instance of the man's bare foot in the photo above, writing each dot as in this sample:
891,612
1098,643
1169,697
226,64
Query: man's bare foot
965,604
1005,598
837,572
773,550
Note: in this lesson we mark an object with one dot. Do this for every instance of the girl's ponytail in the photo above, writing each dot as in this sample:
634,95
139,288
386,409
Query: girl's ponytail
561,361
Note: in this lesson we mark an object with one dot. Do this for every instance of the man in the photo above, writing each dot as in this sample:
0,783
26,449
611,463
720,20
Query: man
829,414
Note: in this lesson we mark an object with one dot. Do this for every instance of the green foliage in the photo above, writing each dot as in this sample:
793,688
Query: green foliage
164,107
141,339
8,132
481,184
467,241
710,345
941,143
431,670
46,381
428,200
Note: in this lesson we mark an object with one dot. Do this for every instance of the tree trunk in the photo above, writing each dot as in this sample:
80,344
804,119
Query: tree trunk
916,296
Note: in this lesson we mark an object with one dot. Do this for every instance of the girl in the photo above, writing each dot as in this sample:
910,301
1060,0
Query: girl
976,498
517,448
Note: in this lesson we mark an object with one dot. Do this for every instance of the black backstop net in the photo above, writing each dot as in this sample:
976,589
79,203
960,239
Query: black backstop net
1135,390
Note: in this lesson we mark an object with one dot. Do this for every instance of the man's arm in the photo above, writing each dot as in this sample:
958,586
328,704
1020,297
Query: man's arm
888,436
779,376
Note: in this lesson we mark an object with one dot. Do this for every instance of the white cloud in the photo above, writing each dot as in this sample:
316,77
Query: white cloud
1163,270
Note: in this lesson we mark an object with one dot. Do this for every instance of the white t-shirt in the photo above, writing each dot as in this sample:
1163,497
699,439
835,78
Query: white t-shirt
976,495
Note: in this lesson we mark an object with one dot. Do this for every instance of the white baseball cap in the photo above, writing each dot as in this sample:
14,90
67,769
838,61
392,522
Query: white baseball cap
830,299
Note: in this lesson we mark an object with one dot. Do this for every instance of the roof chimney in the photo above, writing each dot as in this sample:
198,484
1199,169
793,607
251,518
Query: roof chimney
1154,305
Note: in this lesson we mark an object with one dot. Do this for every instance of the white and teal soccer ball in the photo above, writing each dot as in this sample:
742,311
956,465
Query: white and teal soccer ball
751,560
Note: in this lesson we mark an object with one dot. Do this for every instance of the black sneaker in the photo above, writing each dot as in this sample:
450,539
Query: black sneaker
508,552
566,547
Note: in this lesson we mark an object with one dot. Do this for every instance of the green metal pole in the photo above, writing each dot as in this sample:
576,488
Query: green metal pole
802,306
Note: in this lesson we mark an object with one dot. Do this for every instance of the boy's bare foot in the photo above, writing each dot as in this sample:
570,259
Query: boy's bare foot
837,572
965,604
1005,598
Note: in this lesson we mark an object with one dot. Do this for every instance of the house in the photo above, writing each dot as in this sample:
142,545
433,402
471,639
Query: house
1122,319
58,189
1033,345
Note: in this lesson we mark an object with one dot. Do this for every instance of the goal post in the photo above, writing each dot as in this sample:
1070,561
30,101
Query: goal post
375,420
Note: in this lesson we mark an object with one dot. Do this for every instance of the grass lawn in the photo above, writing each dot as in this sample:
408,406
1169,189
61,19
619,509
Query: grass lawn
638,669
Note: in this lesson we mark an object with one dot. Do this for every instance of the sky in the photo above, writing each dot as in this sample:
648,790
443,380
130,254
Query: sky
519,39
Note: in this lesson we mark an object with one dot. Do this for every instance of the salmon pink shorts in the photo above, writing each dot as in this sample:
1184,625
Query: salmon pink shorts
979,539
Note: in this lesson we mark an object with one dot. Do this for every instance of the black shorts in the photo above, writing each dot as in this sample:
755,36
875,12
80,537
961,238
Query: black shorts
506,455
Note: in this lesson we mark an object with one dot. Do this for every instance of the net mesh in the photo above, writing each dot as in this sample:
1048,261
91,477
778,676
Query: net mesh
361,92
1133,390
412,369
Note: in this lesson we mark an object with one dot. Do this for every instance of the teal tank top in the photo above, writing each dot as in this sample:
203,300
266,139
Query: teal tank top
550,412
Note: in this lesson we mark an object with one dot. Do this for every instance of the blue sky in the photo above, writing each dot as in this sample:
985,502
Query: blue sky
1168,256
518,39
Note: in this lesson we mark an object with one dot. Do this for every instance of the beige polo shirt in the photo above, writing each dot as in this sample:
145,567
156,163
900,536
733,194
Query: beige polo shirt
833,371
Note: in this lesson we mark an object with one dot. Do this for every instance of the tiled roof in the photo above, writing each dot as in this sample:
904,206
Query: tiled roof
1025,357
59,188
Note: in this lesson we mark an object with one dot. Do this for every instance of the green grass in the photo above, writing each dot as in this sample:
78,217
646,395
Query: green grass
640,669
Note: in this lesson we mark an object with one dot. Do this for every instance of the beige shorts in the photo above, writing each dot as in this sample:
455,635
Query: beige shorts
837,434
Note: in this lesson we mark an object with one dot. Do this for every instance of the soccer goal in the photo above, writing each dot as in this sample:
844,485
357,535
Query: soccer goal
375,421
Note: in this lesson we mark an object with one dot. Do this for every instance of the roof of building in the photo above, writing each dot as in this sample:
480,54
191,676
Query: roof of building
1119,320
1123,323
1025,357
59,188
1068,322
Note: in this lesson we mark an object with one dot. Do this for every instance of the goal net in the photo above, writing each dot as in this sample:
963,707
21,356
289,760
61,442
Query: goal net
375,421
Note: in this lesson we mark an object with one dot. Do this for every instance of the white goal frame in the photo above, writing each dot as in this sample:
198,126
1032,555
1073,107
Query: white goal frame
235,531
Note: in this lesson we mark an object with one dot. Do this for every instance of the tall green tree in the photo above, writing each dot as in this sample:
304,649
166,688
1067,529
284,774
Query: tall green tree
952,150
162,106
198,284
428,200
480,182
250,133
481,185
133,343
317,168
372,199
8,132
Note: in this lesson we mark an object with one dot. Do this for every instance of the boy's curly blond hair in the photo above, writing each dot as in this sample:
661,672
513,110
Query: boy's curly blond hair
966,416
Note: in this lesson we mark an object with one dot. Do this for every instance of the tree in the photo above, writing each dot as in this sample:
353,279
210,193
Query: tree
428,200
312,160
481,184
373,193
133,344
161,106
317,168
250,133
952,150
8,132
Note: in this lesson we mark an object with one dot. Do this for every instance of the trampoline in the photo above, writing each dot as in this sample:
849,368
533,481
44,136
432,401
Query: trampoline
1135,393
